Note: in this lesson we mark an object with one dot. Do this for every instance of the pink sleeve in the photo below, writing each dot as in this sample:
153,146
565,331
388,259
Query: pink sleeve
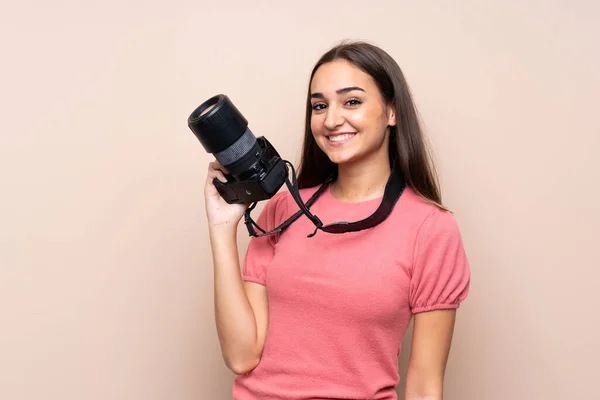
441,274
261,249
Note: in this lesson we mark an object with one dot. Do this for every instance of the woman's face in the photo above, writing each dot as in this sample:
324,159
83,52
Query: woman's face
350,118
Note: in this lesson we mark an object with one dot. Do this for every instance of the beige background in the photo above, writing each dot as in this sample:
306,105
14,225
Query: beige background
106,277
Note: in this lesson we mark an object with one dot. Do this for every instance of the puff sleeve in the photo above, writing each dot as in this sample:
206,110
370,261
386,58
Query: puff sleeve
261,250
441,274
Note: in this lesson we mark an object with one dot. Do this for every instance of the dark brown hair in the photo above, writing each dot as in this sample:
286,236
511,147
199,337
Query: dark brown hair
407,142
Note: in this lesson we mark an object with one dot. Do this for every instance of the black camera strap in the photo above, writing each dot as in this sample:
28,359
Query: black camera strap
393,189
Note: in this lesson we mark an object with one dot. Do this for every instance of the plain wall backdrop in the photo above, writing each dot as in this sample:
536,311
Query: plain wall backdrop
105,266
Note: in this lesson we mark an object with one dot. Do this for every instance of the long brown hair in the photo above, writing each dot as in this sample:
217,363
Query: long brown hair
407,142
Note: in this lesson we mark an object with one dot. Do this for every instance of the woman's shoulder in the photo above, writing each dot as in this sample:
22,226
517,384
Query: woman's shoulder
422,210
284,195
282,205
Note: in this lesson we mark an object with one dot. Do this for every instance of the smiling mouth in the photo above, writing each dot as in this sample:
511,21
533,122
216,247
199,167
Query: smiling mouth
340,138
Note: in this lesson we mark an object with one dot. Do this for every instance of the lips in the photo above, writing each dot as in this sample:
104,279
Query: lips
340,138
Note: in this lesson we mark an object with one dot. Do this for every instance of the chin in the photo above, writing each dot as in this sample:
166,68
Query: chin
341,159
338,156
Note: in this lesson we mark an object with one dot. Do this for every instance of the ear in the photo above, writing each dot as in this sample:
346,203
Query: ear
391,113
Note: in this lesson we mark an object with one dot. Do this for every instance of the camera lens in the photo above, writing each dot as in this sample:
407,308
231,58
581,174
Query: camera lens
223,131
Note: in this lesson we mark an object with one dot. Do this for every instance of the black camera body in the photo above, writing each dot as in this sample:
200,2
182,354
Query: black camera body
260,182
255,171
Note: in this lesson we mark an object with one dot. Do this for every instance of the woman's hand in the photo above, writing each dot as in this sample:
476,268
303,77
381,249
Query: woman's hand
220,213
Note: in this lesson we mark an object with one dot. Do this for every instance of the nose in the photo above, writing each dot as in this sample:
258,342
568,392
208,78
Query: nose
334,117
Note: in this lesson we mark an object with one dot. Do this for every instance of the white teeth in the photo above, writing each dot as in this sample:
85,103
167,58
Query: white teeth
340,138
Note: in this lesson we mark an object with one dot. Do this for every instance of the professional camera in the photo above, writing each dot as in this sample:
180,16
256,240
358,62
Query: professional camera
255,170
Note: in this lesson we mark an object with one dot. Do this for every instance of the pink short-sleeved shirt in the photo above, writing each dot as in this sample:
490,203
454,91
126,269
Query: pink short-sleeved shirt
339,304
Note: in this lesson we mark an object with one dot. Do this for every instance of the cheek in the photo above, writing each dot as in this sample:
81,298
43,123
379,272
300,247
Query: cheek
360,120
316,125
371,120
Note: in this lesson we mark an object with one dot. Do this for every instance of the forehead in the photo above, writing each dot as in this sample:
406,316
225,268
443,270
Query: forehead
339,74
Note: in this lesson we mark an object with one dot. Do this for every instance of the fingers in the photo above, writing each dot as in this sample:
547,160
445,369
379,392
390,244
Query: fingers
216,170
217,165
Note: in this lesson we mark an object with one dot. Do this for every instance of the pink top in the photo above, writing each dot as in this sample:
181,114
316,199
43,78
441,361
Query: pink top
339,304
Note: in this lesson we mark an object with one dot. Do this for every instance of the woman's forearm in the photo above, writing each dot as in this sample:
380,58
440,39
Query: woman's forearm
236,324
420,386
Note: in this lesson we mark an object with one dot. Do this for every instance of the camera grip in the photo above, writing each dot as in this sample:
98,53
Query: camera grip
221,186
226,190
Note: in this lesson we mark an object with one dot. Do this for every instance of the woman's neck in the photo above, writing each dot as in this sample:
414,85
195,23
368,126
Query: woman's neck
361,181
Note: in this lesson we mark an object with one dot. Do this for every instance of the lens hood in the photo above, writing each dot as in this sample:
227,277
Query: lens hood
217,123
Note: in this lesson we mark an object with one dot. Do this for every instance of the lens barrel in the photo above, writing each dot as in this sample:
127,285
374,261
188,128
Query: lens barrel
223,131
217,123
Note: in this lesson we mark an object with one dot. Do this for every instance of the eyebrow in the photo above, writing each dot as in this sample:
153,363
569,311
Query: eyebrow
319,95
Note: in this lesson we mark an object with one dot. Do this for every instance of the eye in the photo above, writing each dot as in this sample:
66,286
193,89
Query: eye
353,102
318,106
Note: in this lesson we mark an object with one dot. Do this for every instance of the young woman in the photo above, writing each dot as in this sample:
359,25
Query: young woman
323,317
